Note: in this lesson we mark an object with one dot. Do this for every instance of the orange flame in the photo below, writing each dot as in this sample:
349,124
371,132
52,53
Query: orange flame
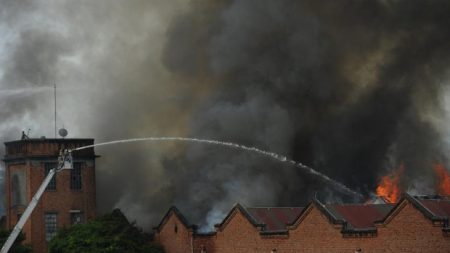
388,188
443,187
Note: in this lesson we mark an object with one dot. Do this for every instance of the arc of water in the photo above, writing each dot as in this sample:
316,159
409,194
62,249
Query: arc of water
272,155
23,91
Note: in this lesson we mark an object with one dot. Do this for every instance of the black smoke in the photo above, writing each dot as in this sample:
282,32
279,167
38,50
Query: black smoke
352,88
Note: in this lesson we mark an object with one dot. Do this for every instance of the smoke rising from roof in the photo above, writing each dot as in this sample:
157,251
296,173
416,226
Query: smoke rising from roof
352,88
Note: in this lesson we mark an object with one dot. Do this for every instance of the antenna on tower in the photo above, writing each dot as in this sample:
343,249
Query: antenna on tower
54,92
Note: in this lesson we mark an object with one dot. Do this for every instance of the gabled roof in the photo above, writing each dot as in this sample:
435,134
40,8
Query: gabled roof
330,215
436,208
275,218
359,216
354,218
269,220
247,215
173,210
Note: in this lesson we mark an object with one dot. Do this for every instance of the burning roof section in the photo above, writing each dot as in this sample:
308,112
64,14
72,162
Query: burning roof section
435,208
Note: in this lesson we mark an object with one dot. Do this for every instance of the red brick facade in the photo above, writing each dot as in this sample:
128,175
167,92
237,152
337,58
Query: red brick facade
410,226
177,235
25,162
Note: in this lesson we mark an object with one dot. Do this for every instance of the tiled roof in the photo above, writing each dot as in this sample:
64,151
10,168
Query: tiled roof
355,218
438,207
275,218
360,216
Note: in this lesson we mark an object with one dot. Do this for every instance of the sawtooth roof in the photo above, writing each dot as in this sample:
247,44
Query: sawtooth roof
174,210
438,207
275,218
359,216
355,218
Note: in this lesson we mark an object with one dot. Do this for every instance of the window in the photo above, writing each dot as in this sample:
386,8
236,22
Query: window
52,185
18,188
75,176
76,217
50,225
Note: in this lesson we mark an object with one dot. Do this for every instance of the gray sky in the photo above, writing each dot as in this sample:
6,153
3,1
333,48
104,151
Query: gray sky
352,88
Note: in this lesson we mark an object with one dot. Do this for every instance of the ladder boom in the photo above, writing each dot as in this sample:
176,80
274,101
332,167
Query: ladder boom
12,237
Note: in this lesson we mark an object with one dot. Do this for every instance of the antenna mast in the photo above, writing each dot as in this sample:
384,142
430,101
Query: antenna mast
54,92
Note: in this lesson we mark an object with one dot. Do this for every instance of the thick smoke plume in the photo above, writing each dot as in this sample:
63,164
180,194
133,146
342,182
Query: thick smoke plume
352,88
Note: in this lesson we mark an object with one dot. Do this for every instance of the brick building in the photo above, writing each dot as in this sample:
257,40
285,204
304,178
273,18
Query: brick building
414,224
69,198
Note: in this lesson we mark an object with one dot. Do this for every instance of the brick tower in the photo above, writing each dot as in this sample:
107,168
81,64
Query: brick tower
69,198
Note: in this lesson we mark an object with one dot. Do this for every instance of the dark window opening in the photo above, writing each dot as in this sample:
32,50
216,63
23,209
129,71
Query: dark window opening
75,176
76,217
15,185
52,185
50,220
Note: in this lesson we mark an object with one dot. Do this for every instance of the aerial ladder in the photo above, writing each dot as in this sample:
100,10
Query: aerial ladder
64,162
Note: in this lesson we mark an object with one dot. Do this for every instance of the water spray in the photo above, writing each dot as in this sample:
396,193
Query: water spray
272,155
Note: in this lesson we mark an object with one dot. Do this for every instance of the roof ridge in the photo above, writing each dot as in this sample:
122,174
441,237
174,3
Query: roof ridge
416,201
180,216
328,212
246,214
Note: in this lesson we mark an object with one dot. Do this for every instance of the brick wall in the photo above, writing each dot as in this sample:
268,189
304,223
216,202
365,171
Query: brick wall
406,230
411,231
175,236
60,201
237,235
205,243
29,157
315,233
